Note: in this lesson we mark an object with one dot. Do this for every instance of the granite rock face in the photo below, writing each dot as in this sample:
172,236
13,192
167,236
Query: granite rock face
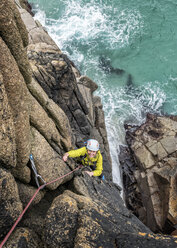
46,108
72,93
16,38
94,216
53,72
7,130
152,172
10,204
23,237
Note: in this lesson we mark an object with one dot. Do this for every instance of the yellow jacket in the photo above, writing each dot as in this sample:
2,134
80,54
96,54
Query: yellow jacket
97,160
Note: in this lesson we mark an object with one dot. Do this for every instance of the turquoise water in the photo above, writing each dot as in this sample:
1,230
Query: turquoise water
139,37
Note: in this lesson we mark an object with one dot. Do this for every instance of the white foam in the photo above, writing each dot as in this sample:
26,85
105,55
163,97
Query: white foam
41,16
122,105
92,26
90,22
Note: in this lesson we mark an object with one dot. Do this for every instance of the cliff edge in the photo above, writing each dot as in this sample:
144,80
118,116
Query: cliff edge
46,108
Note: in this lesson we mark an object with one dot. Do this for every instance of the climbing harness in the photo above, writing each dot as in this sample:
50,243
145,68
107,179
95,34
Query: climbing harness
36,175
39,188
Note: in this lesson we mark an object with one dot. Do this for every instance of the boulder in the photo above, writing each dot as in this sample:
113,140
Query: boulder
23,237
26,192
61,222
48,163
22,173
20,24
145,240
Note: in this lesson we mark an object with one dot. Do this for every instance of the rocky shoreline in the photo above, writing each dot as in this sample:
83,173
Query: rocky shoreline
46,108
150,172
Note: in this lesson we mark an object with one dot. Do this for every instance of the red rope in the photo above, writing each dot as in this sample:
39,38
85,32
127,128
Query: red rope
27,206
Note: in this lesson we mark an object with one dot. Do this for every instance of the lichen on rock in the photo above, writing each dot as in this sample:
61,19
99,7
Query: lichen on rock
49,114
17,94
10,20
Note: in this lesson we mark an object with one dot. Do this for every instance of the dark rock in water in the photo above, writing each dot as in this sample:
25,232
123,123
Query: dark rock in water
105,64
129,80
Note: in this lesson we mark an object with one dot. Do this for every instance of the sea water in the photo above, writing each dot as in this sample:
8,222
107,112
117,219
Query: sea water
106,37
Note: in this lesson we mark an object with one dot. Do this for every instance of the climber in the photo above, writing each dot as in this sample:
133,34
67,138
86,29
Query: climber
90,155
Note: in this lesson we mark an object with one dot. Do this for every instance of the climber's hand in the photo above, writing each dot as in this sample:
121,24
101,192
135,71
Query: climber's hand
90,173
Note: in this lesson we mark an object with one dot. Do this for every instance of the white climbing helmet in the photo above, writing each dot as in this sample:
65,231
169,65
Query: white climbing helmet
93,145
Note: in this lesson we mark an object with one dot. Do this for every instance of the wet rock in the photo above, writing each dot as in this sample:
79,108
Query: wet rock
105,64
